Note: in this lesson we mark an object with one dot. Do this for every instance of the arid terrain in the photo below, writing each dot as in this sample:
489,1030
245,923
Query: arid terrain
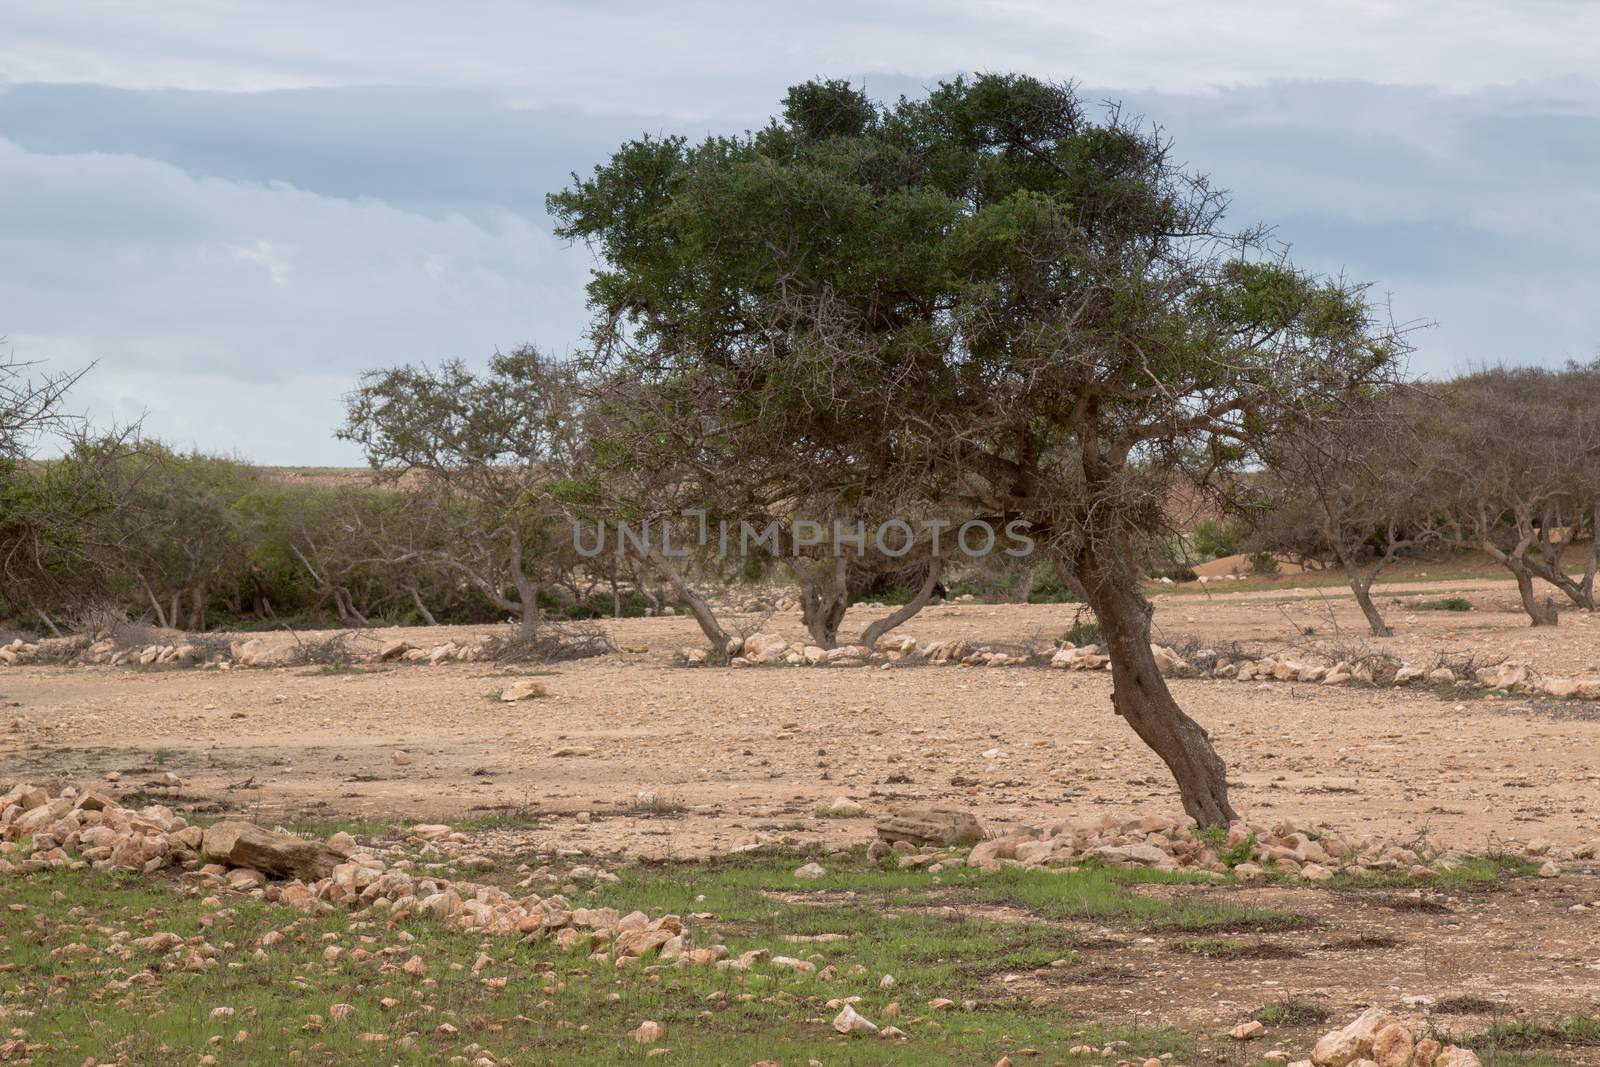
633,757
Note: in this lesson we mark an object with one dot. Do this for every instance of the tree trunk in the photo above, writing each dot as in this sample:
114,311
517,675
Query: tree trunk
48,621
197,609
422,609
155,602
873,633
1363,593
720,641
824,597
1542,614
1594,557
1138,691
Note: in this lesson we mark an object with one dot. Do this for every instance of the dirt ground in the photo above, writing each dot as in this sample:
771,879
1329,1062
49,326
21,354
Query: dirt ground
745,757
748,755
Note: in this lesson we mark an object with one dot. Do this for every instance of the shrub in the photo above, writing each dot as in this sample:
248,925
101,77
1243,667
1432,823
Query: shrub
1263,563
1213,540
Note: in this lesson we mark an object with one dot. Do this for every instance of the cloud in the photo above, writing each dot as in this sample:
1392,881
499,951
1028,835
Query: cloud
234,261
709,58
192,292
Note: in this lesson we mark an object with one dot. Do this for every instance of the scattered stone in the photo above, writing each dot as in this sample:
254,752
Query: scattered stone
810,871
930,826
243,844
848,1021
523,689
1247,1031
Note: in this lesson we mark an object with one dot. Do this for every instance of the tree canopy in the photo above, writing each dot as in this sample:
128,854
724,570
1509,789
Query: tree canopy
985,299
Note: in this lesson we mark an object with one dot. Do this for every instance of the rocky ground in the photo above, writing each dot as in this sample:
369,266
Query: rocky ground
634,757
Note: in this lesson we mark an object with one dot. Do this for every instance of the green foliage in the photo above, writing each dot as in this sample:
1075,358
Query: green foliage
1213,540
1263,563
1230,855
983,279
1083,633
1048,588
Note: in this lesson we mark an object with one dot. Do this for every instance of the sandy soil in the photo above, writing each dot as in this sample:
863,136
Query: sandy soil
750,754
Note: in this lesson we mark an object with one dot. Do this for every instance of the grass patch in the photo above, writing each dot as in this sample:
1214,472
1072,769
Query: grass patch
75,984
1292,1012
1574,1031
510,818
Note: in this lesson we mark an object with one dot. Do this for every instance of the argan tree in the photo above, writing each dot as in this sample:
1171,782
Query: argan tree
1350,487
490,450
986,300
1519,472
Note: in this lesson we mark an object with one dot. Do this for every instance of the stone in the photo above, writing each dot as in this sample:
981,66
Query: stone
649,1032
1133,856
1392,1046
1503,675
848,1021
844,807
1339,1048
930,826
1247,1031
243,844
401,758
393,649
810,871
246,878
523,689
1451,1056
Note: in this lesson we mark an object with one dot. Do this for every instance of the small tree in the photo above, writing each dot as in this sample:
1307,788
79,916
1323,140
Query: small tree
1350,486
493,447
1520,471
984,301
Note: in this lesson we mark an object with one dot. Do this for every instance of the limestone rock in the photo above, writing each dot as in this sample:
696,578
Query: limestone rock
930,826
523,689
243,844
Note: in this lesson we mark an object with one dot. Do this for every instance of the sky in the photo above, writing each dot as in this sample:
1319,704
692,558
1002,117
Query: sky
231,208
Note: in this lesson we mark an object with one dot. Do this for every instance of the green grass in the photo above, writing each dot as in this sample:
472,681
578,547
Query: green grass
1473,872
1570,1031
1292,1012
68,987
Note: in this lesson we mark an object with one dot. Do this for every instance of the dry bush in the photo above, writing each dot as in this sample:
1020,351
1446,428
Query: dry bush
1466,664
331,651
8,635
751,624
550,641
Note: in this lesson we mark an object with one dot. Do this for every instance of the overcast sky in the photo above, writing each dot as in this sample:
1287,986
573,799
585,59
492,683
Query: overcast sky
234,207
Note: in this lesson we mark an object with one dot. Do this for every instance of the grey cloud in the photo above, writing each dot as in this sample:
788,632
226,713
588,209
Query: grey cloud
234,260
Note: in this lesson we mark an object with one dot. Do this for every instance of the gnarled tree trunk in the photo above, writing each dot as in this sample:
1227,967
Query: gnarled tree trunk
1544,614
824,597
1138,691
720,641
874,632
